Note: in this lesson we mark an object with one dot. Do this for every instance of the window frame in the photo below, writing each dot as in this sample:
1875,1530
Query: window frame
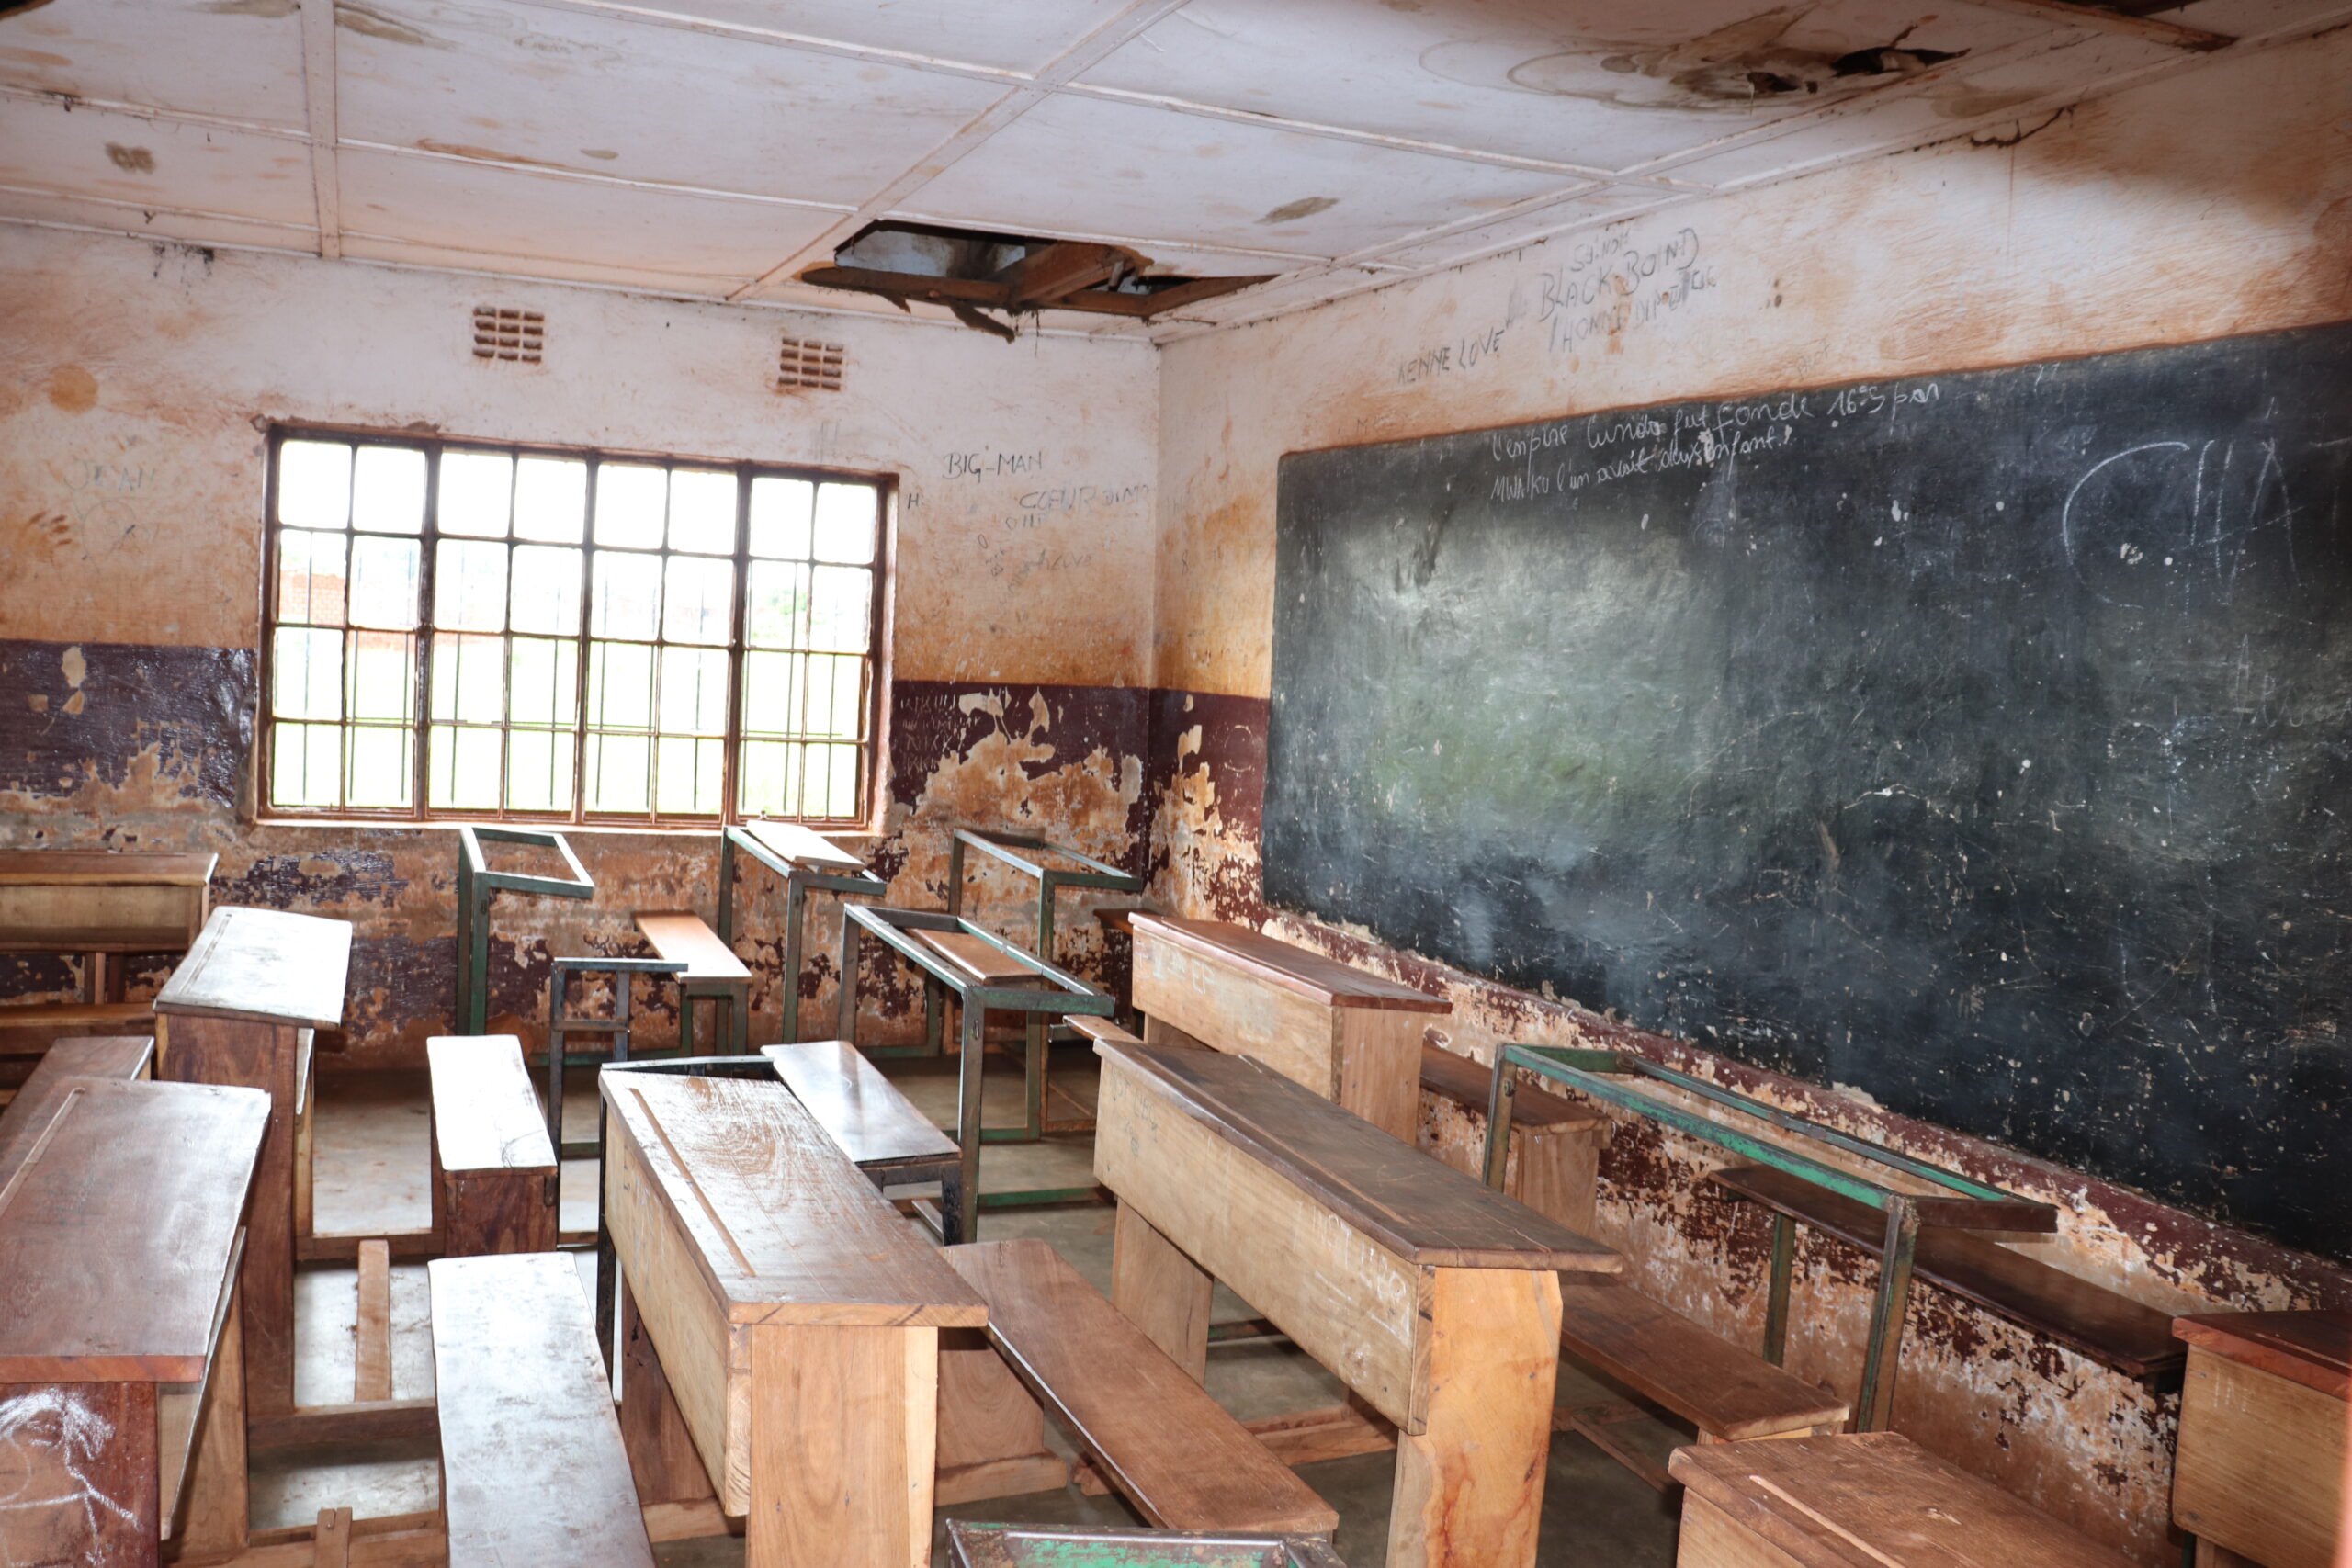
872,774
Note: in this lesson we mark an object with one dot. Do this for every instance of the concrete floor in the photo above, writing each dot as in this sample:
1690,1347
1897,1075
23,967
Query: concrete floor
370,1175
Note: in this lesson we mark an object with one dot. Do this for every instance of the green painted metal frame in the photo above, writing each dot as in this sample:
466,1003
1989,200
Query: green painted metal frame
800,881
1098,877
562,1026
477,886
1973,1204
972,1545
1073,995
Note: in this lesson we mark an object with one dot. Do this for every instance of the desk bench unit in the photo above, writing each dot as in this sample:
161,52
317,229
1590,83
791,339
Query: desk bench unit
794,1314
1352,1038
99,906
121,1390
809,863
1435,1300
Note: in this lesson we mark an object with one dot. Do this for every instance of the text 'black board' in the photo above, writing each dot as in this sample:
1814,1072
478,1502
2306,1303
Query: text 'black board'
1979,741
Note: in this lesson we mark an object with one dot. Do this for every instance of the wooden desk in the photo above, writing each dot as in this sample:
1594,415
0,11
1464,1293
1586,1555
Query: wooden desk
2260,1471
99,906
809,863
1351,1037
121,1403
794,1314
1436,1300
240,1010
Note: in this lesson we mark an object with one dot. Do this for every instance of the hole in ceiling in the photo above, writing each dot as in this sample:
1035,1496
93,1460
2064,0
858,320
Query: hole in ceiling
1732,68
973,273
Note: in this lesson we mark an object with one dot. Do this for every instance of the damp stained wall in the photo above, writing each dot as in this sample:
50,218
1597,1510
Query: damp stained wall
2214,203
135,383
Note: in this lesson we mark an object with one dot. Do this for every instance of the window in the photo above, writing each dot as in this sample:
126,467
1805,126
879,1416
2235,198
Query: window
472,630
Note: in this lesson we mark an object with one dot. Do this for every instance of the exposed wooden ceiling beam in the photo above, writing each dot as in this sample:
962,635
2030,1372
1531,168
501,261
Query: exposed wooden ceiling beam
2096,19
1045,275
319,109
999,295
1103,302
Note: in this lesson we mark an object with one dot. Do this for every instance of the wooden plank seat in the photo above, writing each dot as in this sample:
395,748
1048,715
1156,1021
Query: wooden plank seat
1097,1030
1869,1500
871,1121
982,960
2089,1319
117,1058
533,1472
1148,1426
495,1171
66,1018
1556,1144
1729,1394
713,973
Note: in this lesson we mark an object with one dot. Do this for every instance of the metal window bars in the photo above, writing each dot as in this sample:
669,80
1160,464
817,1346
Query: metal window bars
1963,1203
477,886
772,845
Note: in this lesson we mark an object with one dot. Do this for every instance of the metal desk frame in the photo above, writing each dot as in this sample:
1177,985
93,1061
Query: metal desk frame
1006,846
1073,995
477,886
800,881
561,1026
1972,1206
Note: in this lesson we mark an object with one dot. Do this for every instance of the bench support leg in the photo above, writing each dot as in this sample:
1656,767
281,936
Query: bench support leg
1161,1291
991,1431
218,1517
1776,1303
1874,1408
663,1460
844,1428
1470,1486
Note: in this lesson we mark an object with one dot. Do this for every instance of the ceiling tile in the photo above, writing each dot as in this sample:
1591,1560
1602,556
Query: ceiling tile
1023,36
127,158
526,84
239,59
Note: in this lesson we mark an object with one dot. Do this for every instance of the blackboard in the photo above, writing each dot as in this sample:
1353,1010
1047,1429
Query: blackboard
1980,741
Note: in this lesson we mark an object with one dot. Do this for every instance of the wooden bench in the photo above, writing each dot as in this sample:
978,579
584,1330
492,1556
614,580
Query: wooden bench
1351,1037
871,1122
495,1180
1152,1431
117,1058
1865,1501
713,973
533,1473
2259,1476
1556,1145
1097,1030
2089,1319
100,906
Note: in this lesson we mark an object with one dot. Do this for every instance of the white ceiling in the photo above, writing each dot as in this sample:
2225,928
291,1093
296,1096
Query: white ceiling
719,147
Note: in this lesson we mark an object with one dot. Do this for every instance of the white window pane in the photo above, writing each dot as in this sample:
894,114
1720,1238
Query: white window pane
470,679
772,693
617,767
547,590
552,500
841,609
833,778
763,783
845,522
306,764
543,681
469,586
313,484
311,573
694,690
698,604
476,488
628,597
686,775
702,511
777,605
631,502
620,685
780,512
382,677
306,674
384,581
538,771
848,699
465,768
387,490
380,768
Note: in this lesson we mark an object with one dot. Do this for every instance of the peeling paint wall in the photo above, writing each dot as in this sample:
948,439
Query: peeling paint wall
134,384
2217,203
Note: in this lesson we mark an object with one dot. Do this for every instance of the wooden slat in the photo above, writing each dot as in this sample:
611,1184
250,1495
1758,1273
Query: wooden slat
105,868
682,936
118,1219
2313,1348
534,1473
1100,1028
1875,1499
118,1057
1278,963
784,1228
485,1114
977,958
1169,1448
1412,1205
1727,1391
76,1015
265,965
1468,1084
804,847
372,1340
2089,1319
859,1109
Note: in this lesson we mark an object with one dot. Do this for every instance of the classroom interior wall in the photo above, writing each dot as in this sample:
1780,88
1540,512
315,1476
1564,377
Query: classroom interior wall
2216,203
136,384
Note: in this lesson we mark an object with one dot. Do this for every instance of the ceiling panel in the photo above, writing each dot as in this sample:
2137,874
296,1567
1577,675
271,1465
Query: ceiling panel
160,223
1020,37
145,162
499,214
524,85
1079,163
242,58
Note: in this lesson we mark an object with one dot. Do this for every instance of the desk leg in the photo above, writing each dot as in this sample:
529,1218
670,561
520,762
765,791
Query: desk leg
218,1521
663,1460
844,1427
80,1474
1470,1488
1161,1291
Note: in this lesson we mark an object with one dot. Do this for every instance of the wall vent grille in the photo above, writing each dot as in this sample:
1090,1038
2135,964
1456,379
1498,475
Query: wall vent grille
503,332
802,362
